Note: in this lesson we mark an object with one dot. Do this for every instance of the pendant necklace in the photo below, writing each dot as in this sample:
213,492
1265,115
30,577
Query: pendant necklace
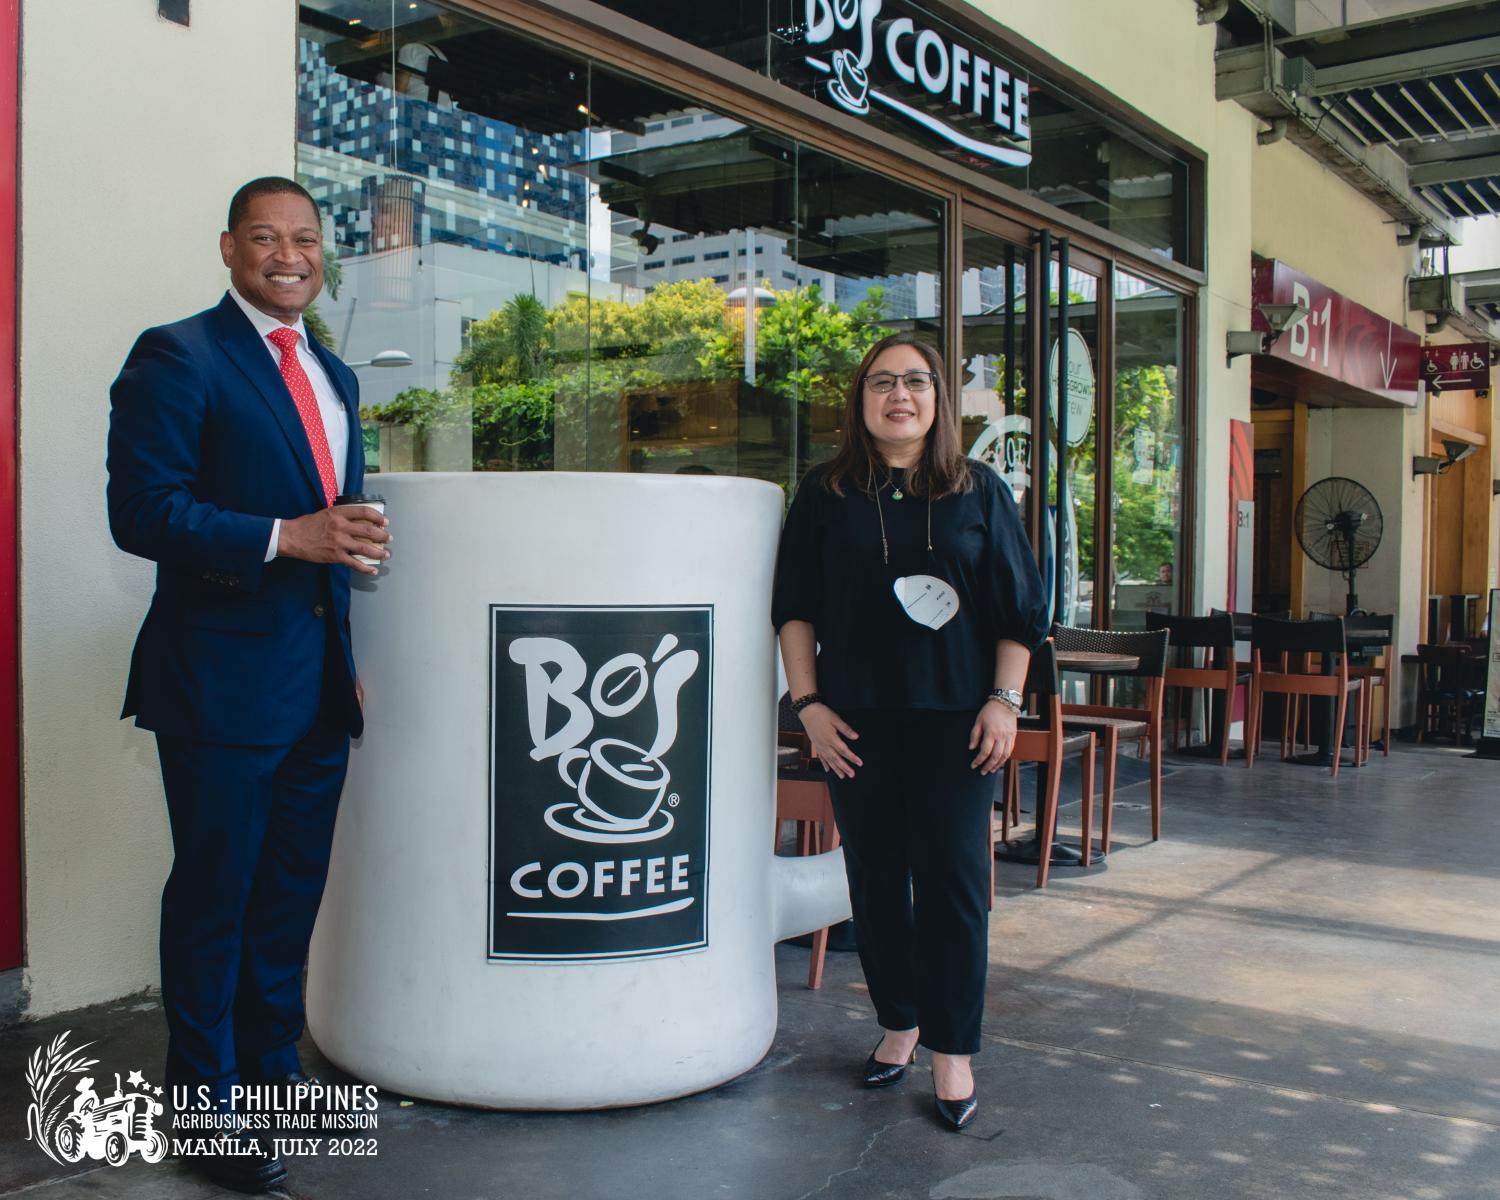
885,548
926,599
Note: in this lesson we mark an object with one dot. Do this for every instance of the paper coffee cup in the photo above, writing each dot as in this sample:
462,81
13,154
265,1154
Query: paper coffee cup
363,500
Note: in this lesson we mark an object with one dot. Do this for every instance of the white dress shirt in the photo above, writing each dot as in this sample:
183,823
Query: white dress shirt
335,416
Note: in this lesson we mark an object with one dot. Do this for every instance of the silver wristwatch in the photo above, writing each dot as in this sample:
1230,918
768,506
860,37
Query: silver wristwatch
1008,697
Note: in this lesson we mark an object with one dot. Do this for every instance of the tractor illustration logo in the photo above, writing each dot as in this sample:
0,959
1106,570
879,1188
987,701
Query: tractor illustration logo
88,1125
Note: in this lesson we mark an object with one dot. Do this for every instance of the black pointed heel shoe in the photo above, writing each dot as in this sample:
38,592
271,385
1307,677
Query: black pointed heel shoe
955,1114
882,1074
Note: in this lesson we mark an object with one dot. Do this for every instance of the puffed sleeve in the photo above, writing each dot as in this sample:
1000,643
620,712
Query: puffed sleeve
1018,602
799,569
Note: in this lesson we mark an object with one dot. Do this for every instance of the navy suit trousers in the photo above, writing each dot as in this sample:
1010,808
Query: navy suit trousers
252,828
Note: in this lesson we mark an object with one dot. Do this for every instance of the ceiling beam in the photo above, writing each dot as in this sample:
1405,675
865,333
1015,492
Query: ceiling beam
1442,152
1398,68
1396,34
1454,169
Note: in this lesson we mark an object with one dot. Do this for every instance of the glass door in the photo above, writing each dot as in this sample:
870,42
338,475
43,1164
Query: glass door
1147,447
1071,383
995,388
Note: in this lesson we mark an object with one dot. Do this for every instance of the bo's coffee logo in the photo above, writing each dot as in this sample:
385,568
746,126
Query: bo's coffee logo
928,67
599,766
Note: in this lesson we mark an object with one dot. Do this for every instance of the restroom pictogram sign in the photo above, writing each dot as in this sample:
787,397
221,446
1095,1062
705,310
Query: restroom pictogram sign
1460,367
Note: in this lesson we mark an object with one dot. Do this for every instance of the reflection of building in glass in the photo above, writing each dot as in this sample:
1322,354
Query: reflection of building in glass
473,180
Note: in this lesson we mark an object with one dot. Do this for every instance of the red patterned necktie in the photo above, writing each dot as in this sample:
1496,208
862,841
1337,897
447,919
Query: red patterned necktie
300,386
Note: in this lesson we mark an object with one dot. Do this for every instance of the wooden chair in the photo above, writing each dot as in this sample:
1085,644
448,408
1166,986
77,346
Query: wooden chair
1041,738
1372,631
1241,623
1113,723
802,796
1359,630
1293,644
1205,662
1443,690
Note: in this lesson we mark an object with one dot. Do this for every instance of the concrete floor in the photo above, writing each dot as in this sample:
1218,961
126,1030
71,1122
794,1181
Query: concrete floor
1293,994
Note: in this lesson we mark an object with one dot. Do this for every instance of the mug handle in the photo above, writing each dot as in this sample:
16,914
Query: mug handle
566,760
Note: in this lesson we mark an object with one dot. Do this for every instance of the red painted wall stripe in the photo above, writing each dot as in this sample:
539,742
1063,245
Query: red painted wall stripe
10,681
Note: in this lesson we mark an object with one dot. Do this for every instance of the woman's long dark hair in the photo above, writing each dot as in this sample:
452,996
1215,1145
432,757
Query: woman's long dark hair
941,471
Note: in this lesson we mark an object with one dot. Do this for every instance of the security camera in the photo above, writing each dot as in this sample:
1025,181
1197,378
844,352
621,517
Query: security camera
1456,451
1281,317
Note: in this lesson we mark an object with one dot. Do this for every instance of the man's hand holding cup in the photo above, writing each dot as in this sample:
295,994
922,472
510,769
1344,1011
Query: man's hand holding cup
354,532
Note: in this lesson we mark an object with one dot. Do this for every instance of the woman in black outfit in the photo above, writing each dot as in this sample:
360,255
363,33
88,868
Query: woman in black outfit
908,570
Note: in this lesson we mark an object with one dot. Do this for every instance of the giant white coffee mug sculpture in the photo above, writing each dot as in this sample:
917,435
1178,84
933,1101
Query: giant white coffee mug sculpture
552,882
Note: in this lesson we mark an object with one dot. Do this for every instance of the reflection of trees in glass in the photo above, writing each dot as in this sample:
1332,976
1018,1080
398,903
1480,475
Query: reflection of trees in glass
806,347
333,279
1145,443
528,368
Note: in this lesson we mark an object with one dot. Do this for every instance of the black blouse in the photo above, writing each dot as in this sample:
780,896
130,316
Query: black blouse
830,573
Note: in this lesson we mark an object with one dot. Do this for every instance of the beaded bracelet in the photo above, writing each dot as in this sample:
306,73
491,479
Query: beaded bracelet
809,699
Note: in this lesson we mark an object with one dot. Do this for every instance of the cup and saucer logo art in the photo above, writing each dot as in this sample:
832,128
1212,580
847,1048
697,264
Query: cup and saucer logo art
70,1120
599,768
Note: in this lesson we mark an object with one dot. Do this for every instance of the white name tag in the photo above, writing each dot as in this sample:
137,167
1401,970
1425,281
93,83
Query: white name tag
926,599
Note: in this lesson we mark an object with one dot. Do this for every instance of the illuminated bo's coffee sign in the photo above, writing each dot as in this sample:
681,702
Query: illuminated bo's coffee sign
881,57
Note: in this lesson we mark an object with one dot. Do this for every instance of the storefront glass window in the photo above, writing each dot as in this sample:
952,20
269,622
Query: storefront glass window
1147,506
901,68
588,272
1078,388
994,405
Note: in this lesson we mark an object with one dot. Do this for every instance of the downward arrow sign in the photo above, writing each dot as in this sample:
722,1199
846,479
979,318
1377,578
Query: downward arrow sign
1388,360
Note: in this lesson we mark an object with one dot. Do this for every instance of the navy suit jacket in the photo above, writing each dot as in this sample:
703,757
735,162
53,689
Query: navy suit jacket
206,448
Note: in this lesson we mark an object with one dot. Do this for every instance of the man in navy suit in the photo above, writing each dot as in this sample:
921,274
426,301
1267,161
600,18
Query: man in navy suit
231,432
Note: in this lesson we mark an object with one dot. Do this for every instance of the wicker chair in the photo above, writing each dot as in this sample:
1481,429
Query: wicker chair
1113,723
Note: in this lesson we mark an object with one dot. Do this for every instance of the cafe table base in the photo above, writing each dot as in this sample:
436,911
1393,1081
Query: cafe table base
1030,851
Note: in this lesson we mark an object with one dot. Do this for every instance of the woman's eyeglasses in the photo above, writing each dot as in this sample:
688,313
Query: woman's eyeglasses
882,382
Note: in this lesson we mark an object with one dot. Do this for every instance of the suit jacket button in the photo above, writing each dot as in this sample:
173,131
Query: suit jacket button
318,610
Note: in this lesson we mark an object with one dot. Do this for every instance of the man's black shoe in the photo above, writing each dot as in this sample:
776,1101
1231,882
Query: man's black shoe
238,1160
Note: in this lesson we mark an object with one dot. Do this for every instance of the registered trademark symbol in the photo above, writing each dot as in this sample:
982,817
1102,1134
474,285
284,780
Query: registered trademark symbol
673,800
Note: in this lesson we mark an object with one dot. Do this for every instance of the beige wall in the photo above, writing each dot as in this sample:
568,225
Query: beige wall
124,186
1109,43
1308,217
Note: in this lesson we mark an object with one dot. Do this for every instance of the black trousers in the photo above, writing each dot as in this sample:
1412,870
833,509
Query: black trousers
914,826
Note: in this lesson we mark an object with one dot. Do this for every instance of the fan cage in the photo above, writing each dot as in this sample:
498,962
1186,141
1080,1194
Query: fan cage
1318,531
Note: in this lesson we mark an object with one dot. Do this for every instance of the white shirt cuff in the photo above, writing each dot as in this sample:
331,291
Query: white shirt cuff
275,539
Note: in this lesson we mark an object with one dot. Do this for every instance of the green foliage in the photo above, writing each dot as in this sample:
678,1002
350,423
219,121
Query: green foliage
512,426
318,327
1146,513
528,369
807,348
507,346
512,422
